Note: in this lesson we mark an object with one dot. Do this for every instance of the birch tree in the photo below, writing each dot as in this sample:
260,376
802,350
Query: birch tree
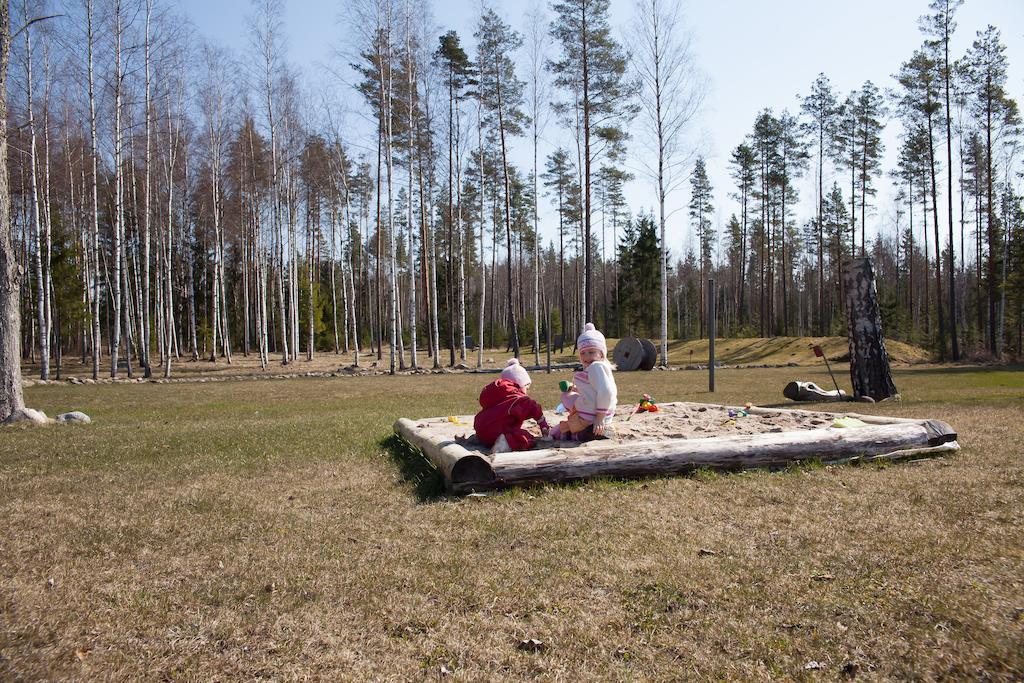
672,91
11,398
538,92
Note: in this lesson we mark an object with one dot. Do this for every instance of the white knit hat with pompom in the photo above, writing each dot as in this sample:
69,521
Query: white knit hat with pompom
591,339
514,372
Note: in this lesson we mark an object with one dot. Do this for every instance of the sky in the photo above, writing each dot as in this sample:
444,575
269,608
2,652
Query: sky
755,54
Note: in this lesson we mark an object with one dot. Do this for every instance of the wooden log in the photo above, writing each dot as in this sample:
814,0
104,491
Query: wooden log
734,452
529,368
809,391
628,354
870,419
463,470
467,470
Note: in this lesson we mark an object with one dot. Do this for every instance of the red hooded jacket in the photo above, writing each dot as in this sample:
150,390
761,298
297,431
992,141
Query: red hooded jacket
505,406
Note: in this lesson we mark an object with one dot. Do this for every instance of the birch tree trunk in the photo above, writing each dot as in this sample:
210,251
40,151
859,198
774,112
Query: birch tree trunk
410,110
146,294
387,84
483,223
118,232
334,286
460,235
11,398
37,229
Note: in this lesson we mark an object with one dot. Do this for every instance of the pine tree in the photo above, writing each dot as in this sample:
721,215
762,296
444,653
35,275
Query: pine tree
940,26
560,180
822,110
701,212
869,112
994,111
501,93
458,77
593,68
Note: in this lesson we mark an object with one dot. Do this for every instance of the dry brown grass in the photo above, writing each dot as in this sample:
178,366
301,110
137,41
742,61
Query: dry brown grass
262,530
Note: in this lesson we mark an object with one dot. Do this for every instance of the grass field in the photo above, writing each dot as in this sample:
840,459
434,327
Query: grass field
270,530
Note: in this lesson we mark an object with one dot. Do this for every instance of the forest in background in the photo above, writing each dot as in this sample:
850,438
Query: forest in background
172,201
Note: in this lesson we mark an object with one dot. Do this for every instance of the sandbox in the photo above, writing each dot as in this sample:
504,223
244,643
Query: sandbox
680,438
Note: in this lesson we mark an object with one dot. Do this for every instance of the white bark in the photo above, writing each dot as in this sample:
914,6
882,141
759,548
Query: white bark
37,227
536,37
11,398
671,95
411,95
118,232
483,268
146,198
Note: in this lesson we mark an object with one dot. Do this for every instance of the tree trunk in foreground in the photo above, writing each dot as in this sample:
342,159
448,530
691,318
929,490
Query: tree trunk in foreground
869,362
11,398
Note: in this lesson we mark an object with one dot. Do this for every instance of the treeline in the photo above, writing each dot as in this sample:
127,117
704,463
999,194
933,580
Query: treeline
171,200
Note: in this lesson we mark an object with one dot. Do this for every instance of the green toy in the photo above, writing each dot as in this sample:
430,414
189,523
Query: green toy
564,385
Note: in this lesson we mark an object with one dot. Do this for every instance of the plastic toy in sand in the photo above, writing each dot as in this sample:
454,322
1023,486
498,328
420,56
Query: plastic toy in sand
646,405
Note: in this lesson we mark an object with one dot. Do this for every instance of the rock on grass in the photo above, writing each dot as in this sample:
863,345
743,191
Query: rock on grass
74,416
27,415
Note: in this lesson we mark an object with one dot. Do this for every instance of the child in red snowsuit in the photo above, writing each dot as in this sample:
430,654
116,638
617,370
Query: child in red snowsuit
505,406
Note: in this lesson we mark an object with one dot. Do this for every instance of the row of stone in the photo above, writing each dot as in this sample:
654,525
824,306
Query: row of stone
32,416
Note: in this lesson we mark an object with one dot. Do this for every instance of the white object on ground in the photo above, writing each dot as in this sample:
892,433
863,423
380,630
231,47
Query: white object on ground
28,415
74,416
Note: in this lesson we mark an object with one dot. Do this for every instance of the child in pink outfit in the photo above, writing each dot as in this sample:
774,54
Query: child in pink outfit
592,398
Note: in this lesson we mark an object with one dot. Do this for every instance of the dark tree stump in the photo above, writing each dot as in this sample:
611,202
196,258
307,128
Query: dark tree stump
869,362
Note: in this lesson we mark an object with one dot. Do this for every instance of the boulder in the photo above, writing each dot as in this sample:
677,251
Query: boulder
27,415
74,416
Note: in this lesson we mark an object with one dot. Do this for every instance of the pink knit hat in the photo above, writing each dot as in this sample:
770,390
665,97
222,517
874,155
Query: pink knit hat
514,372
591,339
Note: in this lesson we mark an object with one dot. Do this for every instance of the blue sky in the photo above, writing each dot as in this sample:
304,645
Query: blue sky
756,55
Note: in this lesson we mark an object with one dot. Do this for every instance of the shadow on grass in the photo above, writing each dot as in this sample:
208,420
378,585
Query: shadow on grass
415,469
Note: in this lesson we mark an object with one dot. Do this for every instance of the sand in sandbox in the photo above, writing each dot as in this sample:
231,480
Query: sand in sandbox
681,421
687,421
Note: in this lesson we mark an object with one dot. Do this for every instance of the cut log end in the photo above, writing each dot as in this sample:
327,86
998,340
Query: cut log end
939,432
472,472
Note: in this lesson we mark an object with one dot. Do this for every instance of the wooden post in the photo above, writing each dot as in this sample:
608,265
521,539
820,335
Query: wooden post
548,307
711,334
869,362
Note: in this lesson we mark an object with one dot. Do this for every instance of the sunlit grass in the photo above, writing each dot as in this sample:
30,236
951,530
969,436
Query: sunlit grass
267,529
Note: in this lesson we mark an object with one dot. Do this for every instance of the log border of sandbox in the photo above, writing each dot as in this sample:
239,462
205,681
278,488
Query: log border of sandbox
885,438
